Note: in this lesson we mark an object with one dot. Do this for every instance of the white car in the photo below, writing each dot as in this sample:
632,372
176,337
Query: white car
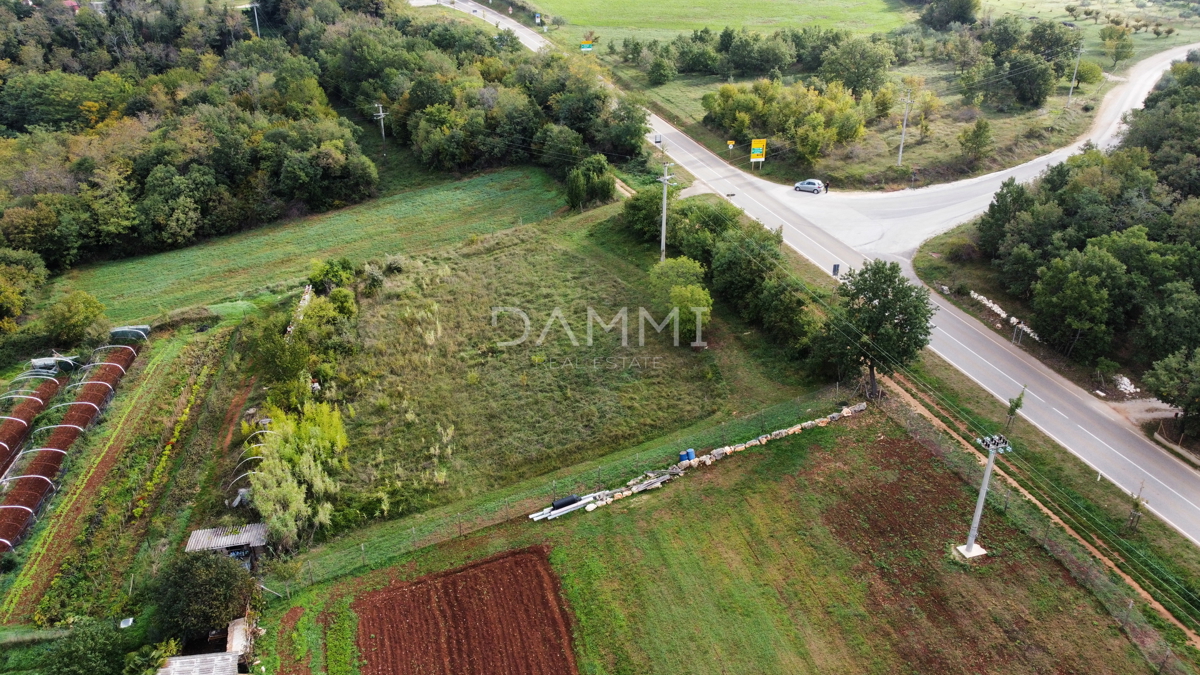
811,185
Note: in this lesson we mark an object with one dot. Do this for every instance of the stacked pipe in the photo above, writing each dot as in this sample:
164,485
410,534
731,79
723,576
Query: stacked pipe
32,475
687,460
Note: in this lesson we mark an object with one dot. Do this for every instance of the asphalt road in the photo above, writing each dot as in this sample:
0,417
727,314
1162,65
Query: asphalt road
848,228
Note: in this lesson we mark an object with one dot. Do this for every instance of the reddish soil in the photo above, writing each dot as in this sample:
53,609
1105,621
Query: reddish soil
234,412
12,432
288,665
28,493
503,615
1018,610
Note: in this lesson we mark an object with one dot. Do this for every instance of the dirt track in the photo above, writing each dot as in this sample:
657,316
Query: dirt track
500,616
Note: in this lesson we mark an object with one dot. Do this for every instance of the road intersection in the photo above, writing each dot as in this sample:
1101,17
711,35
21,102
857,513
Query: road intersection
847,228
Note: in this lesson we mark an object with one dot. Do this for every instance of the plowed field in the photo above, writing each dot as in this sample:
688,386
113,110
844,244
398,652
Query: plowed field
503,615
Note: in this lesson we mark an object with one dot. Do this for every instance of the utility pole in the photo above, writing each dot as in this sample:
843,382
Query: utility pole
666,181
379,115
992,444
254,6
908,101
1071,91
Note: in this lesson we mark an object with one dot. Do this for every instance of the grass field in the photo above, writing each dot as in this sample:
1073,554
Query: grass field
823,553
239,265
867,16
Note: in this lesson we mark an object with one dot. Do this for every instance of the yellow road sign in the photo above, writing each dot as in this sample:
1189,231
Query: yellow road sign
758,149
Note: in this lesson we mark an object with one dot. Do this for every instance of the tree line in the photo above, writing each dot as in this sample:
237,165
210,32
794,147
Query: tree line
875,320
1106,245
151,126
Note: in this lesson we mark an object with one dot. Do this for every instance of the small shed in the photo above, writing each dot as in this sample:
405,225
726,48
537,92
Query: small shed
244,542
202,664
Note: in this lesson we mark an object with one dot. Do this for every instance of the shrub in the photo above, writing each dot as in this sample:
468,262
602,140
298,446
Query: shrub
91,648
662,71
202,591
962,250
343,301
69,320
330,274
1090,72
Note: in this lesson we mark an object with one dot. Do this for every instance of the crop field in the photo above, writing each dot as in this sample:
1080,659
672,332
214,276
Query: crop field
500,616
408,222
827,552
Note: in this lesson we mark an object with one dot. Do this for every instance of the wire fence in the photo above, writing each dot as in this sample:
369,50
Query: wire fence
1118,599
384,543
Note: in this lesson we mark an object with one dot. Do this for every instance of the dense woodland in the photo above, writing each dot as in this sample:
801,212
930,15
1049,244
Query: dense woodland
1106,246
150,126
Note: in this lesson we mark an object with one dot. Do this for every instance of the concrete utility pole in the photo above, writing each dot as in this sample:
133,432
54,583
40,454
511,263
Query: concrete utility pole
379,115
1071,91
254,6
666,181
992,444
908,101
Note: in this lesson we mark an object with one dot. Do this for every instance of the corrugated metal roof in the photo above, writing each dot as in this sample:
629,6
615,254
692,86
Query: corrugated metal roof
226,537
201,664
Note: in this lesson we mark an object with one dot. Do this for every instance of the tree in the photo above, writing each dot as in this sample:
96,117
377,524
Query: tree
1170,324
1118,43
202,591
881,321
741,260
1071,309
1015,405
1012,198
576,189
330,274
976,141
1031,77
1176,380
68,320
858,63
662,70
642,213
941,13
673,273
91,648
1057,44
1090,72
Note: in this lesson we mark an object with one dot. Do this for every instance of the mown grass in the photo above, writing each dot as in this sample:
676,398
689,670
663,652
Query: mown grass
779,560
618,16
235,266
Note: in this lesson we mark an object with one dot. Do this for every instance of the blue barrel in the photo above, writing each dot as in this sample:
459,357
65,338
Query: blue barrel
683,455
691,453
